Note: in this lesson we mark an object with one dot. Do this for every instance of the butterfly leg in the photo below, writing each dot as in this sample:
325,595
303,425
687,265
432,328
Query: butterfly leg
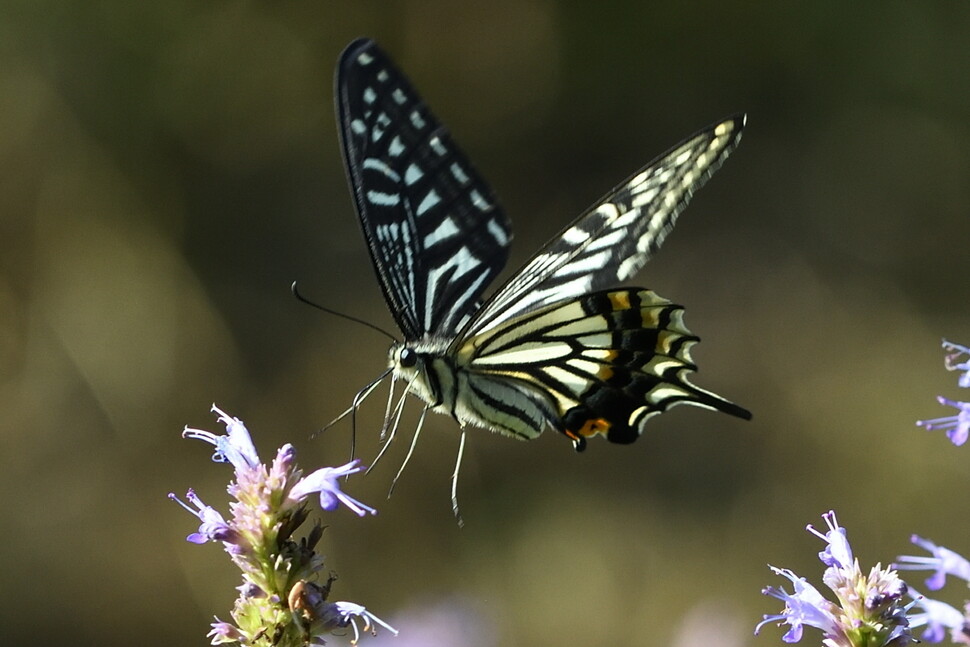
454,480
358,399
390,429
407,459
352,409
387,408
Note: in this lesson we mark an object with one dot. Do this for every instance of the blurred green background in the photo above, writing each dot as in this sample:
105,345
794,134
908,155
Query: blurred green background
167,169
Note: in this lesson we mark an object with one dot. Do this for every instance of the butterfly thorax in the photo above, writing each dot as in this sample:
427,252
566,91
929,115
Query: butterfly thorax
447,384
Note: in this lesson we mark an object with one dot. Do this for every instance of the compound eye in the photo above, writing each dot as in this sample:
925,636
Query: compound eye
408,358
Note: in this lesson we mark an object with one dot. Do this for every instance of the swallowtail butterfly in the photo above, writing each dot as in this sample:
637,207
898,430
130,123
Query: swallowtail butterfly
557,345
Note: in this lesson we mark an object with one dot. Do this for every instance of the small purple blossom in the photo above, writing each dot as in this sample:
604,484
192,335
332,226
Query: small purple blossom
325,482
308,600
806,606
213,527
342,614
957,427
235,447
224,632
250,590
837,551
953,361
942,560
884,587
936,616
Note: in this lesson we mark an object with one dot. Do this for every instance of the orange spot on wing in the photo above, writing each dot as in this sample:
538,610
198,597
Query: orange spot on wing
650,317
605,371
591,427
620,300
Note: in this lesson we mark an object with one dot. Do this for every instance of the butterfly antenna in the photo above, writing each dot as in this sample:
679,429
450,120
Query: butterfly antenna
303,299
454,481
407,459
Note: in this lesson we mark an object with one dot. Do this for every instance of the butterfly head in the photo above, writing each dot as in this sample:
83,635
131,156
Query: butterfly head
407,357
405,360
412,361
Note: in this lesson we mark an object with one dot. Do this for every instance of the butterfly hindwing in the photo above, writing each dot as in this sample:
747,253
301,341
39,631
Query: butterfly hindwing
436,234
603,364
612,240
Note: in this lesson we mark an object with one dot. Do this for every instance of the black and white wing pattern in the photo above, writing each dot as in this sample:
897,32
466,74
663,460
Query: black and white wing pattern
605,361
435,232
612,240
555,346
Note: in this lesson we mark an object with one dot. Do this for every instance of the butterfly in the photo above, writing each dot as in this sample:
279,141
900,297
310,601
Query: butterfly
557,346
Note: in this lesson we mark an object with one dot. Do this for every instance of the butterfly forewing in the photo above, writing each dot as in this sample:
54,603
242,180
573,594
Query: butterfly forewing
612,240
435,232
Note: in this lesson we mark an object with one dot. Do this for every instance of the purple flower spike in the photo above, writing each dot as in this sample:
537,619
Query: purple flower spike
868,609
942,560
325,482
268,507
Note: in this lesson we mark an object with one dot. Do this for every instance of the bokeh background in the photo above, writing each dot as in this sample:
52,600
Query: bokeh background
168,168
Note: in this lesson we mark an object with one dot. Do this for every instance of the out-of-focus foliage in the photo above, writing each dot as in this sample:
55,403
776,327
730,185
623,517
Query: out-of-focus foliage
168,168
